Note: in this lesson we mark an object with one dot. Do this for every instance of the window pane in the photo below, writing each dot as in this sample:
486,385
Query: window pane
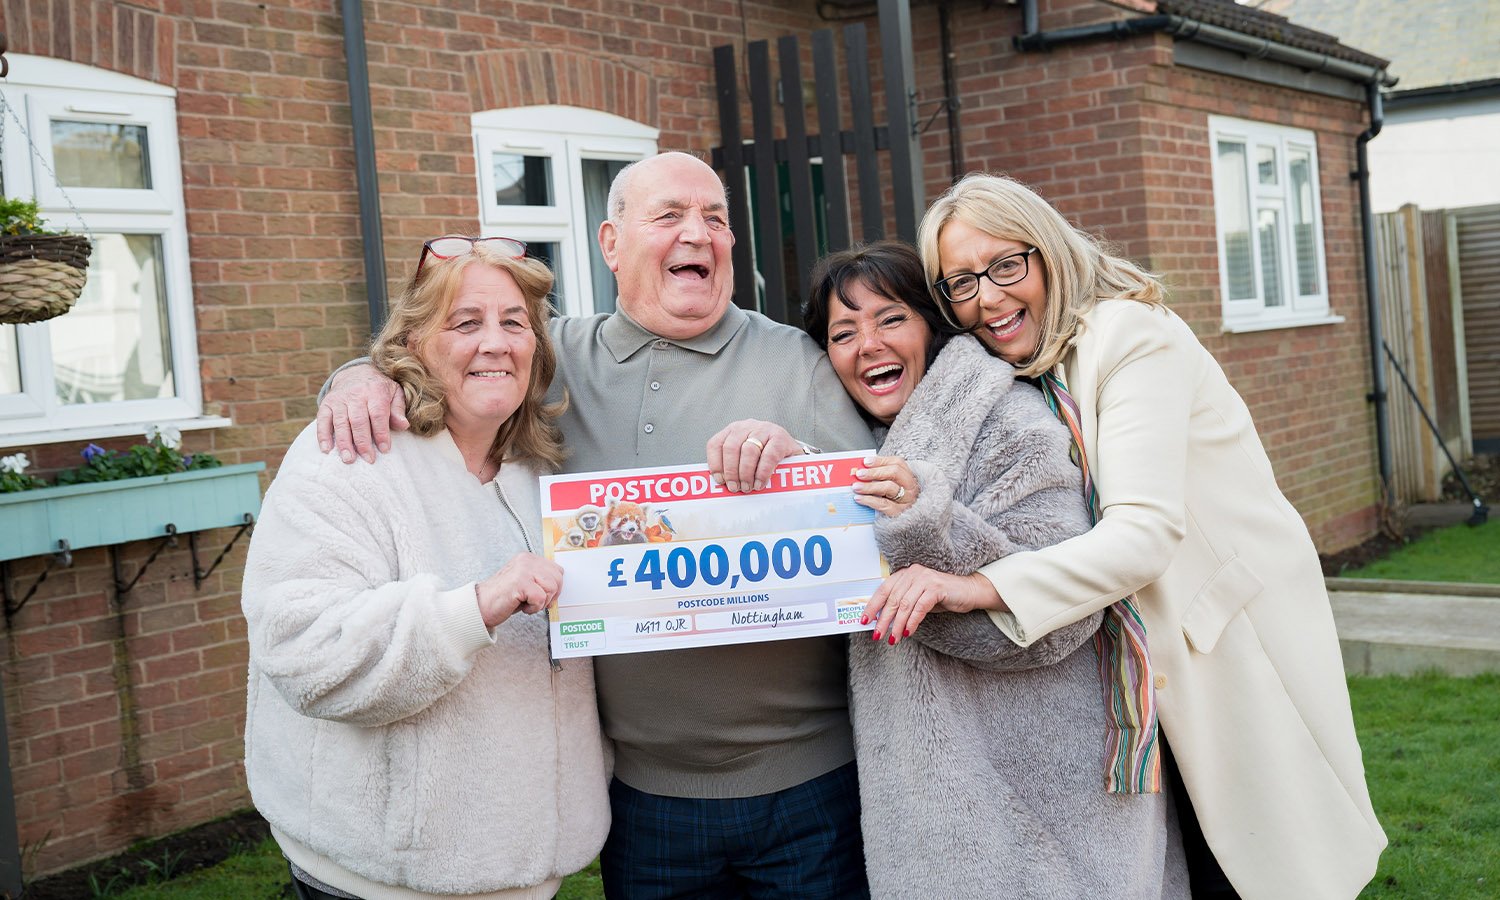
522,180
10,361
100,155
1265,164
114,344
1299,170
1269,228
597,175
1232,206
551,254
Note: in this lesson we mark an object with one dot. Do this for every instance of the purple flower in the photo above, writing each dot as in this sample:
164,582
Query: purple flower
187,461
91,451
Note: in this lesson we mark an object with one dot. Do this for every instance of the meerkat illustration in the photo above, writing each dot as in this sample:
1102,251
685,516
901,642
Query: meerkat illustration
625,523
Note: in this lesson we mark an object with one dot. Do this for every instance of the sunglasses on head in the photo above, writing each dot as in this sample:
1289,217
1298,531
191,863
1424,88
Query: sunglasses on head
449,246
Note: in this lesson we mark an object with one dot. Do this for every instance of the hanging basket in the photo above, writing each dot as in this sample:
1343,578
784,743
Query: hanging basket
41,275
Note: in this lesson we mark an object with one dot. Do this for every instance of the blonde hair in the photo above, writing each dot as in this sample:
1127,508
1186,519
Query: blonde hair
417,314
1081,269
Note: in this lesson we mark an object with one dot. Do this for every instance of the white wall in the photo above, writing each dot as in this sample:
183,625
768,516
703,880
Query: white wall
1437,157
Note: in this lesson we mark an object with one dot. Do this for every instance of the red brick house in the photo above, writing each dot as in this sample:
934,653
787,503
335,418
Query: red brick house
211,146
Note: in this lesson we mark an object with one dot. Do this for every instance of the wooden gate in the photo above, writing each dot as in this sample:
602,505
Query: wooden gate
786,260
1439,274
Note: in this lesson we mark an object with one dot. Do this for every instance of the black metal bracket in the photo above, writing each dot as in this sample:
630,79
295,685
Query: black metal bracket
122,587
62,556
201,574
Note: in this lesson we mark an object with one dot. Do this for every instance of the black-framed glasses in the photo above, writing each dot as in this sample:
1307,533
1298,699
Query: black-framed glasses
452,245
1007,270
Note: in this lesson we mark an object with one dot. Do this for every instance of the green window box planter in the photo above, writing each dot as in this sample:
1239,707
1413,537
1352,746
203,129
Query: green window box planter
131,509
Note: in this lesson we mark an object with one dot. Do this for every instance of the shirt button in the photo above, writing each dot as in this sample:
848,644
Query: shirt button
662,345
1161,680
656,385
649,428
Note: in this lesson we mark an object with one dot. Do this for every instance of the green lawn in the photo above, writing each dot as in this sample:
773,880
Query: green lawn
1430,754
1456,553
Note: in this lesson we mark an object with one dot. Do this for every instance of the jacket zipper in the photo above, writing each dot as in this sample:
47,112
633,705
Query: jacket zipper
556,665
552,679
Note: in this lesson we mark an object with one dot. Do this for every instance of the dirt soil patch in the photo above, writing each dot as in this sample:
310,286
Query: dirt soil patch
206,845
1483,473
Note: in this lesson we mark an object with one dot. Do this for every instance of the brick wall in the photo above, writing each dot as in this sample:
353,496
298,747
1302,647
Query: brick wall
125,720
1117,138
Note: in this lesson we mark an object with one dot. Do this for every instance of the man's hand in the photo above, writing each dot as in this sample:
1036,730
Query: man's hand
359,412
743,455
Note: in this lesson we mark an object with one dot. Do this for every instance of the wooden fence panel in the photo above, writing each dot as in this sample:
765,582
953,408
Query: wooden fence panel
1478,230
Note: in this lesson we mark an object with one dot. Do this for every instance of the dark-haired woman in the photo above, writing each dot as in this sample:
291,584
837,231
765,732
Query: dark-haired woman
981,763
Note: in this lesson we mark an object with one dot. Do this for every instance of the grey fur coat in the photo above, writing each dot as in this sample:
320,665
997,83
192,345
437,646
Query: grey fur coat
981,764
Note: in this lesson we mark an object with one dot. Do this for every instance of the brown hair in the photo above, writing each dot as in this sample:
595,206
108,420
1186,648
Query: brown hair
1081,269
529,433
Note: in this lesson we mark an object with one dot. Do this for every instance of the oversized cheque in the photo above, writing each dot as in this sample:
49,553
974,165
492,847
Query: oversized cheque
663,558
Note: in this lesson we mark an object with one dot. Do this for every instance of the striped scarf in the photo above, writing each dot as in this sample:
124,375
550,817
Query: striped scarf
1131,751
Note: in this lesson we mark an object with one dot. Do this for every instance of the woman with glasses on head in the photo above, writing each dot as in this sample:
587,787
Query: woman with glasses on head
1218,575
982,764
406,735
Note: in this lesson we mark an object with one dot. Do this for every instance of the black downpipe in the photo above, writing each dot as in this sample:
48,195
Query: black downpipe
950,90
366,177
1372,294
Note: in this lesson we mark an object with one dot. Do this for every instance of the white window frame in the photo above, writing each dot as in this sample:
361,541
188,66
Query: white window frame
40,89
568,135
1298,309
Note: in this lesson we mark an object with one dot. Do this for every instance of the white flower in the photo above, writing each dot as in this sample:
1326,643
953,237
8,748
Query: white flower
16,463
170,436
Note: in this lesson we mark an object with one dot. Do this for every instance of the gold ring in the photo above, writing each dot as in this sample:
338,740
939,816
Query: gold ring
751,440
899,494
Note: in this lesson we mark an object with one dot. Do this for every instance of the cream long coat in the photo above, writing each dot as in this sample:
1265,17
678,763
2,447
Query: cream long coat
1249,680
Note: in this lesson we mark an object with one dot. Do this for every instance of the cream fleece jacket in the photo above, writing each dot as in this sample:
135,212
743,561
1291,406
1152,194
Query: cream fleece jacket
387,730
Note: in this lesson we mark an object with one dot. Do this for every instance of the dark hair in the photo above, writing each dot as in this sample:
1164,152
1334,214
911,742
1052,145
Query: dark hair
891,269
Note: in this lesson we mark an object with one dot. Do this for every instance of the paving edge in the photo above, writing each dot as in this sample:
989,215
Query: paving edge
1377,658
1378,585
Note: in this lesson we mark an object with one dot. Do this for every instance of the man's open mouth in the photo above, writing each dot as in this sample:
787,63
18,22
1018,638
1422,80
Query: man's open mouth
691,269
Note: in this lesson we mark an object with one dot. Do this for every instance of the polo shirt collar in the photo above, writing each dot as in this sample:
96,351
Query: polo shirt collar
624,337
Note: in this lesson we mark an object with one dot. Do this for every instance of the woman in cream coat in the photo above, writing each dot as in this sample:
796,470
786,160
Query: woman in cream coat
1246,667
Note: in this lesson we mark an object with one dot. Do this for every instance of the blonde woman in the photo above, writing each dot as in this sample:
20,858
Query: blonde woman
406,736
1244,665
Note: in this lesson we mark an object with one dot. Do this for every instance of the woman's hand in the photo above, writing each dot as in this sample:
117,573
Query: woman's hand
886,485
744,454
528,583
358,413
903,600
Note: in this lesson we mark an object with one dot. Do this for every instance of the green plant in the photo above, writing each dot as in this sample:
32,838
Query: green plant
114,885
166,869
160,455
19,216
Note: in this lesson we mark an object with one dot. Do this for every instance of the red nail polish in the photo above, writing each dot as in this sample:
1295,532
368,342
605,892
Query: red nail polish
864,620
893,640
876,635
905,632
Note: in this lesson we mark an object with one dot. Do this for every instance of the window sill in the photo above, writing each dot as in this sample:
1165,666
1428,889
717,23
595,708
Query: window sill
88,433
1268,323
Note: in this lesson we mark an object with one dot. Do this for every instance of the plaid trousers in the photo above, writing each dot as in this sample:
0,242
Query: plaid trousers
803,843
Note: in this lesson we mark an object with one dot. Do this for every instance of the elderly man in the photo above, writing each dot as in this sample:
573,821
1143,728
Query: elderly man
734,771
